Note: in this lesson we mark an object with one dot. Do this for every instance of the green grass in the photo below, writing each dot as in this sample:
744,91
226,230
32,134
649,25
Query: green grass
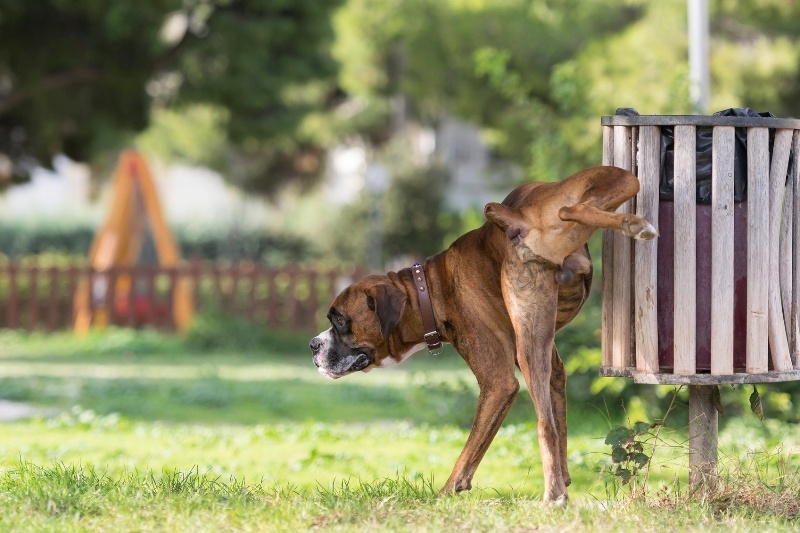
139,432
68,498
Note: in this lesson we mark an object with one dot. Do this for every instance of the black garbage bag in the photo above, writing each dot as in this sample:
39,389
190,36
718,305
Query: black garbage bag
704,157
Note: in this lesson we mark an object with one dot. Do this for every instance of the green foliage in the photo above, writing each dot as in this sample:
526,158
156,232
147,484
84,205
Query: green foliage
627,450
111,341
260,88
80,77
34,239
755,404
414,220
217,331
195,133
74,241
427,50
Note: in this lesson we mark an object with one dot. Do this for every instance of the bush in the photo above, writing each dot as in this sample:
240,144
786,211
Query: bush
18,240
220,331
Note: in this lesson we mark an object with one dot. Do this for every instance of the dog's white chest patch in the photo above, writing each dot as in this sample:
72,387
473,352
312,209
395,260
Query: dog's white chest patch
391,361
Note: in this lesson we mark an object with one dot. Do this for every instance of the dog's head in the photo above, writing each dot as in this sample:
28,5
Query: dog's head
362,319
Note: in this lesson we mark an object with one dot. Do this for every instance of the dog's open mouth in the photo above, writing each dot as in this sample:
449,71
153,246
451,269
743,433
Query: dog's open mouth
347,365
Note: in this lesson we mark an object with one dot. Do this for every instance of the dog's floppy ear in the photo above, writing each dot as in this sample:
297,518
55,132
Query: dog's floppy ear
508,219
387,301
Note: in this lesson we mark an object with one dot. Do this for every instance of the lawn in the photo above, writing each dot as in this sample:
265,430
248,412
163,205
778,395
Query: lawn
136,432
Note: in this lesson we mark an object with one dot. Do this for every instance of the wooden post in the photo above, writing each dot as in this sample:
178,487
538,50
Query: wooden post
703,427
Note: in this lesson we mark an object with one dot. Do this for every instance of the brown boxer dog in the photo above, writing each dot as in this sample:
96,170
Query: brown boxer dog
498,294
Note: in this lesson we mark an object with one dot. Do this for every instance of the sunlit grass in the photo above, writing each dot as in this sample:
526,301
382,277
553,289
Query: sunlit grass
129,439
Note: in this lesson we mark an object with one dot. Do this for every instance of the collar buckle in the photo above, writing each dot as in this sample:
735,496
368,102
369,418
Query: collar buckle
434,342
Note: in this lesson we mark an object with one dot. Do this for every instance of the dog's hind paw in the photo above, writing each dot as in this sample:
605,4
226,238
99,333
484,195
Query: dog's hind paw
559,501
638,228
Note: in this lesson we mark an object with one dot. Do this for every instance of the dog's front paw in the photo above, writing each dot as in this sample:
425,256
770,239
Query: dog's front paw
454,486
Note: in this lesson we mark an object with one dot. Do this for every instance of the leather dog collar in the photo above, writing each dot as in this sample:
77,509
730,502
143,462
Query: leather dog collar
431,335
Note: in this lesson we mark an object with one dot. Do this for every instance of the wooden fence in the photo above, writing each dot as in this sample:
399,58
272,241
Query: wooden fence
42,297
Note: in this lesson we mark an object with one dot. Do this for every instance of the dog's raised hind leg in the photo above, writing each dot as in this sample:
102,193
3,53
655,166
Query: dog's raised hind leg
629,224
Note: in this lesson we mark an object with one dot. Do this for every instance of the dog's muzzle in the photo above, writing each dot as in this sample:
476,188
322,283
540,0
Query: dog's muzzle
332,365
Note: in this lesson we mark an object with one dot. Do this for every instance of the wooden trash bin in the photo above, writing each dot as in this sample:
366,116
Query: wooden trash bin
751,248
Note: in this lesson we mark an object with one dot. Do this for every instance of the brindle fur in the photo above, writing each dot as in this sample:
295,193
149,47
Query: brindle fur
499,294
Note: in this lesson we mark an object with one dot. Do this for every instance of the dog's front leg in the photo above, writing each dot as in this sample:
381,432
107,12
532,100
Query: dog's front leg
492,362
531,294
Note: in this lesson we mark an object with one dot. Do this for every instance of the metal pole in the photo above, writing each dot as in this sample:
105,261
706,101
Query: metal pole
698,55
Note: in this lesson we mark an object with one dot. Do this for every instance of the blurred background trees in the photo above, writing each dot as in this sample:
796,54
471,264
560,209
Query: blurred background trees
79,77
264,91
291,101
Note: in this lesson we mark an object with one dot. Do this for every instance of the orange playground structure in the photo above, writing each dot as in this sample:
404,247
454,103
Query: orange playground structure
134,233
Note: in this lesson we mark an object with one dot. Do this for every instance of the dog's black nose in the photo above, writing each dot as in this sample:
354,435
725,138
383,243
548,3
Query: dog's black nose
315,344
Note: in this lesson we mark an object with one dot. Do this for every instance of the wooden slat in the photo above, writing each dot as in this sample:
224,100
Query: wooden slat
52,298
606,340
646,315
685,251
13,297
313,303
33,298
110,276
169,301
272,299
621,326
794,307
631,276
150,273
758,251
194,276
291,293
722,246
778,341
236,281
132,274
251,295
72,287
786,259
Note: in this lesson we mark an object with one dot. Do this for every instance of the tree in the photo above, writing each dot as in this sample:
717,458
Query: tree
79,76
428,50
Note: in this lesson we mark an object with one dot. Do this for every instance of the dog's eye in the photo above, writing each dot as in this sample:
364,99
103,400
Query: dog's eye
339,322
